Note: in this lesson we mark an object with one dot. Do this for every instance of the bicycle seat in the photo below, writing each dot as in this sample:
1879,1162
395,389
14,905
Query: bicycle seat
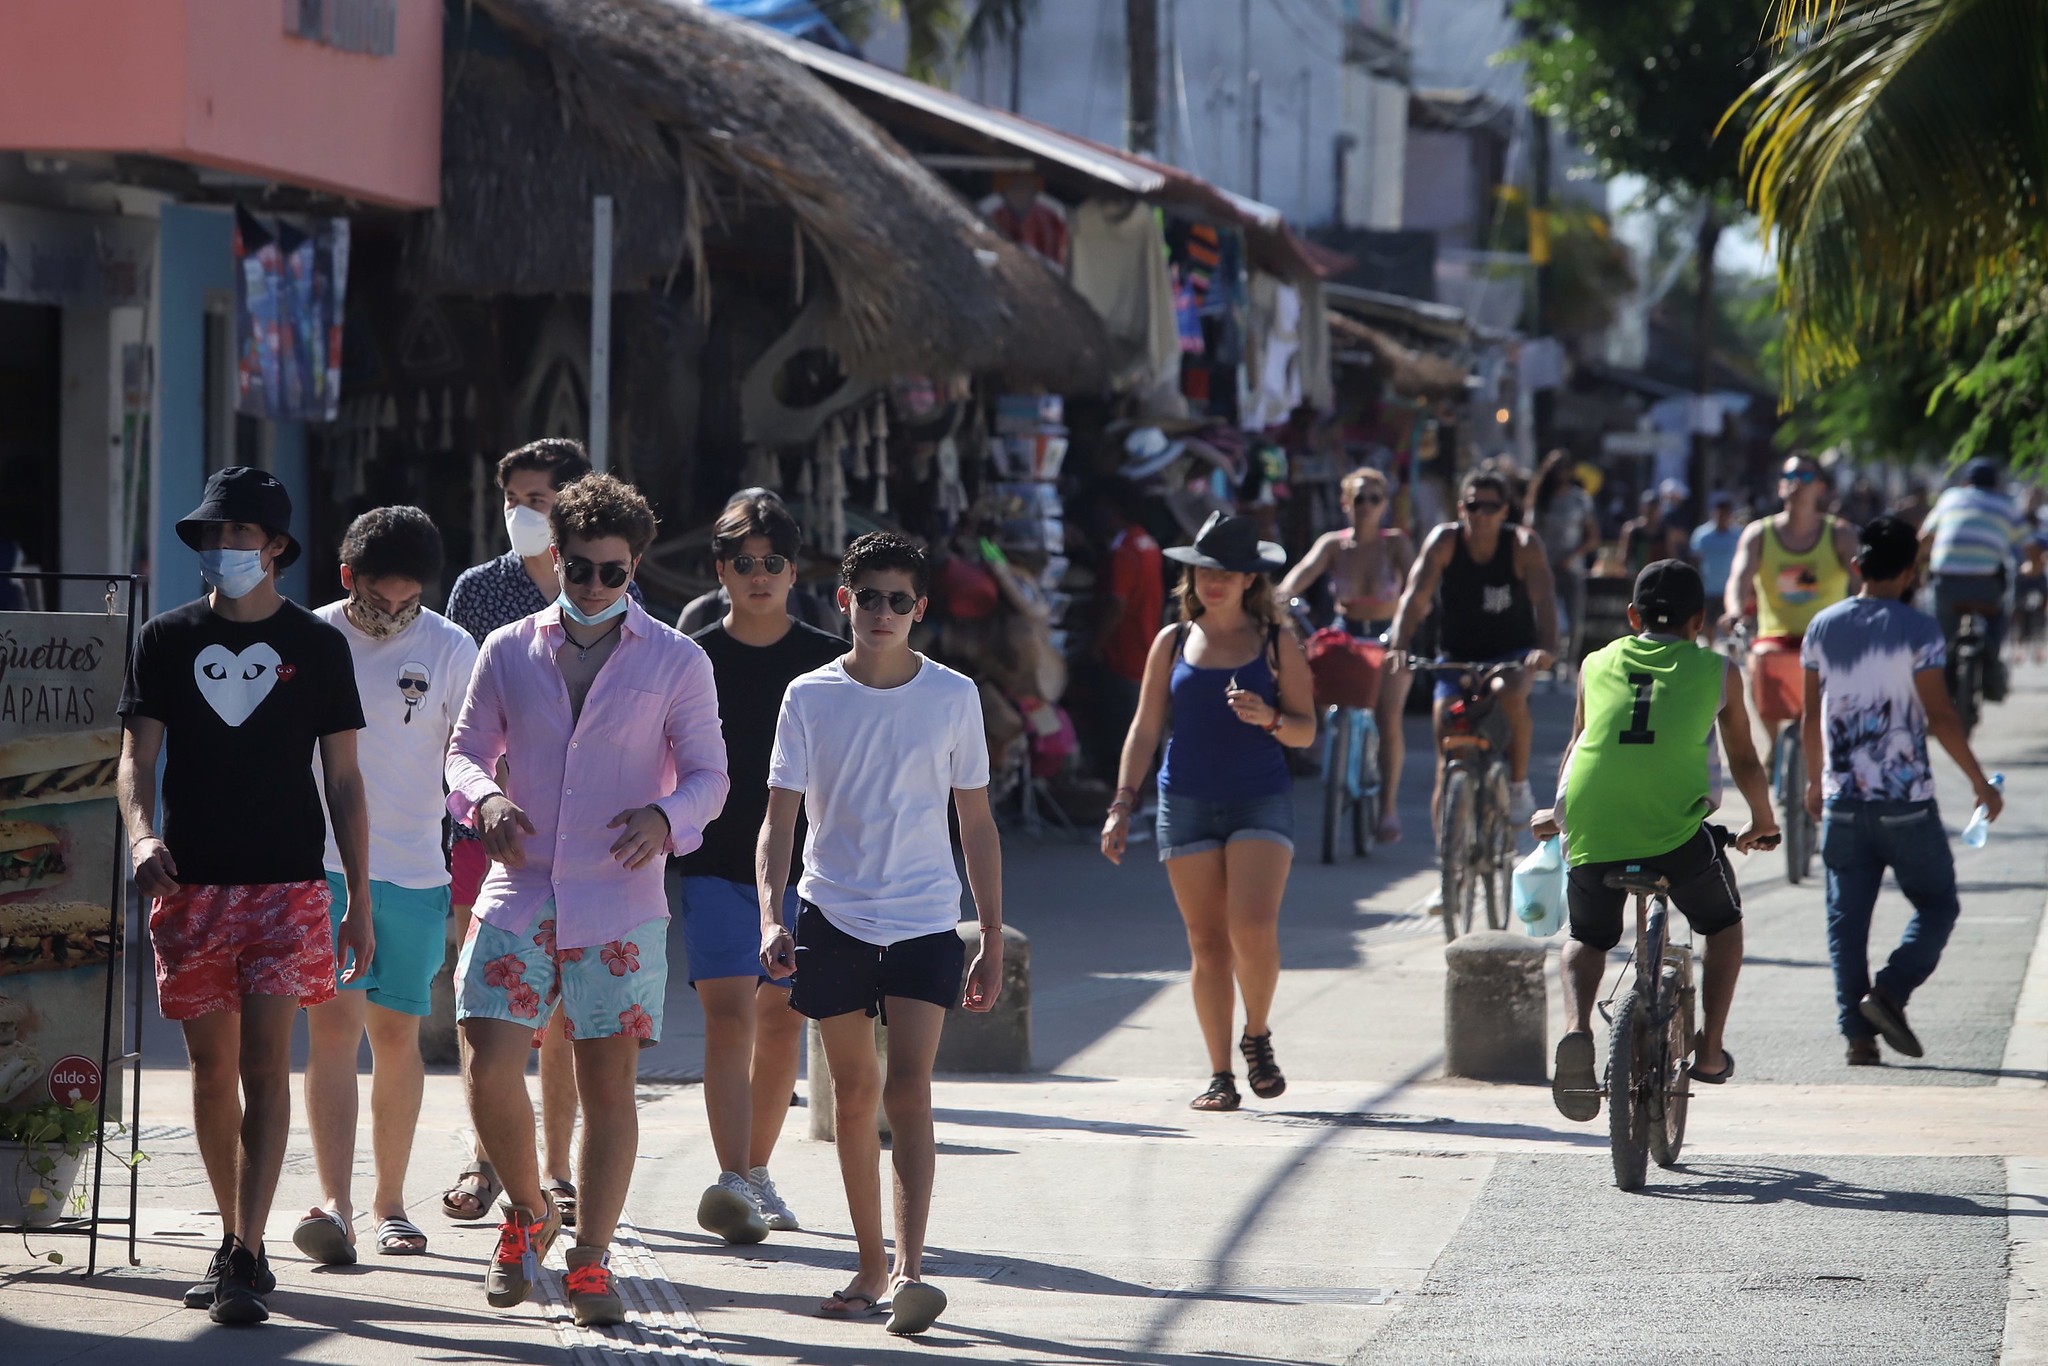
1638,880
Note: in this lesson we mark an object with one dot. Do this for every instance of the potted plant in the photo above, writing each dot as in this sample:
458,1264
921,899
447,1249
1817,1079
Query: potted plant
41,1148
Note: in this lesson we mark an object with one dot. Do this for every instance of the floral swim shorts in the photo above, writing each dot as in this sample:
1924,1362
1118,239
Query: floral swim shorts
217,944
605,991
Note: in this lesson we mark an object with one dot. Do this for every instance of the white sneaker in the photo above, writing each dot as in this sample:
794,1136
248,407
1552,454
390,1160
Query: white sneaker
1521,804
774,1210
728,1210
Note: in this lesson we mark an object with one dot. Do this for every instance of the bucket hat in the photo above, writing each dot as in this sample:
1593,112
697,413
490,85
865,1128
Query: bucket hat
1147,450
1231,544
241,493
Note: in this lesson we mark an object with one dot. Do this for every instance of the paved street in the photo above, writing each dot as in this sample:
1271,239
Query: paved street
1377,1213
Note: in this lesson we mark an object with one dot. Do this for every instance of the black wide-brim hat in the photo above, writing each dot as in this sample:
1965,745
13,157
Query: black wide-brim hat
1231,544
241,493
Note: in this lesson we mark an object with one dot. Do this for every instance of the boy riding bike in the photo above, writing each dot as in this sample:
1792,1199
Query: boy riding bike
1637,790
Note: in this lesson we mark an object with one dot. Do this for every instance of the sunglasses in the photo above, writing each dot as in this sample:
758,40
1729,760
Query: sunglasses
1483,505
1799,476
412,685
871,599
1371,500
743,565
612,573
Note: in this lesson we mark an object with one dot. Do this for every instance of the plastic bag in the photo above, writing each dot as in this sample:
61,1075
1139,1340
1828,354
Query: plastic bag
1539,889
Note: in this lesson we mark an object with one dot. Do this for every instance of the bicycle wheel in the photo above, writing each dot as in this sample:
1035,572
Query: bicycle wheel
1455,848
1365,794
1336,757
1497,850
1630,1051
1792,801
1667,1135
1969,688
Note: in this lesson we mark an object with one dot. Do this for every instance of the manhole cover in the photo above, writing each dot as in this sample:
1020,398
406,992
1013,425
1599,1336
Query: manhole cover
1351,1119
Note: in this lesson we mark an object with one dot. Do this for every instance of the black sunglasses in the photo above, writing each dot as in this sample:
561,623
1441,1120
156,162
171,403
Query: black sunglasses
770,564
868,599
1370,499
1483,505
412,685
612,573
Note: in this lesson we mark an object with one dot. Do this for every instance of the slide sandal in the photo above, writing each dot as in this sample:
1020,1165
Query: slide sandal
400,1237
473,1193
915,1307
322,1236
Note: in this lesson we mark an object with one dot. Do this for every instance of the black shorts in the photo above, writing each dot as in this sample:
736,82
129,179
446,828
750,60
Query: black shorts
837,974
1702,887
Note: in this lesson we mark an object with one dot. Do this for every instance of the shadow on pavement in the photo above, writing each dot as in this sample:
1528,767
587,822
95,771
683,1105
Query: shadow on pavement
1748,1184
1012,1119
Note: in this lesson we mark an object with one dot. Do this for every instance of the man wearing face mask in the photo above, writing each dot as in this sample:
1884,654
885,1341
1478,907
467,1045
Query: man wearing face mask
412,670
248,684
607,722
497,593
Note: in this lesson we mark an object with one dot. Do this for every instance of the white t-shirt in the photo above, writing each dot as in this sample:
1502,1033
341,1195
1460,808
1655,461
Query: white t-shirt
404,741
877,767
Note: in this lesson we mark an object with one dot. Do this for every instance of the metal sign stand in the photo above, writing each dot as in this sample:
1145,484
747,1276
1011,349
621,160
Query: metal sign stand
89,1225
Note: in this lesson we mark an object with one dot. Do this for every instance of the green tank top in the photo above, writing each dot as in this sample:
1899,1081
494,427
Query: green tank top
1638,784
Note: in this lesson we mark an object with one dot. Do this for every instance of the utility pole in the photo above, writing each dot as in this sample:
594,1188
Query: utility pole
1543,405
1141,88
1258,127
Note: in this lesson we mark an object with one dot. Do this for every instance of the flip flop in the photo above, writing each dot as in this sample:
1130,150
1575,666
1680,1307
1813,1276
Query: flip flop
565,1201
400,1237
1574,1086
323,1236
845,1306
1716,1078
1390,829
478,1182
915,1307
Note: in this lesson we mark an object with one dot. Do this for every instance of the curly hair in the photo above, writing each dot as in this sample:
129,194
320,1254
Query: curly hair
562,460
1260,604
393,540
598,505
879,551
759,514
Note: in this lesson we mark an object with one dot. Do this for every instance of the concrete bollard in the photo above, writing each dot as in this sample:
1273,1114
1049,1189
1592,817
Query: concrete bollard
1494,1007
823,1125
999,1041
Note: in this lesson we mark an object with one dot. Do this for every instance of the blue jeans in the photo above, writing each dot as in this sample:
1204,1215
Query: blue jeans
1858,841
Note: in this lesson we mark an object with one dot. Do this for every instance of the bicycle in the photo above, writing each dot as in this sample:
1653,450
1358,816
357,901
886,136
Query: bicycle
1351,778
1966,666
1475,839
1781,705
1649,1050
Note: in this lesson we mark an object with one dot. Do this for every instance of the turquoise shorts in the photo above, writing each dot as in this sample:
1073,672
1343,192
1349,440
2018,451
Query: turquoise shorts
605,991
411,925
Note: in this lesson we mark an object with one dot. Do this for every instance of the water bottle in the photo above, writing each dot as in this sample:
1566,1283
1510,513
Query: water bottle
1979,828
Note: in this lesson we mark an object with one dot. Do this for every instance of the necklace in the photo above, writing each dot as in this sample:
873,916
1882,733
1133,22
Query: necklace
582,650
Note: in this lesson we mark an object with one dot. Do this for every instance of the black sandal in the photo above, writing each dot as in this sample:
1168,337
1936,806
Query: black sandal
1260,1071
1221,1095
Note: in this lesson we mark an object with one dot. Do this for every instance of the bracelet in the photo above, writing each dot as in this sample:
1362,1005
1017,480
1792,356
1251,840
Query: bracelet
1279,720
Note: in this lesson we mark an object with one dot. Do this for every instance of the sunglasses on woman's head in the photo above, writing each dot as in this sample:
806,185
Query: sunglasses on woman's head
871,599
612,573
770,564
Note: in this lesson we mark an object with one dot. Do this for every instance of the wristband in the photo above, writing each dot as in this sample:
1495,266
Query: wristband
1279,720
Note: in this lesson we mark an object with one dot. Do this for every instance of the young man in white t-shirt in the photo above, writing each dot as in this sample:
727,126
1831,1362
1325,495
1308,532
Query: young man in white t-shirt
874,745
412,671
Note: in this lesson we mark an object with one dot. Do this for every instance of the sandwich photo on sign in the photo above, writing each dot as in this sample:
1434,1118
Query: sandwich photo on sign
75,766
31,857
50,936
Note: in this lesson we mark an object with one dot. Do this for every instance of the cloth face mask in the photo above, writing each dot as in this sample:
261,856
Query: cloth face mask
234,572
529,531
376,623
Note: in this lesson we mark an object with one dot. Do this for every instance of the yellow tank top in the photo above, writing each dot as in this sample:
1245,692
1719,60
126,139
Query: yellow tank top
1792,589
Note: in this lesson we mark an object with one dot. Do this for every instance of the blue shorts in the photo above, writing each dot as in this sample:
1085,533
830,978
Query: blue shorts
1193,825
605,991
411,925
1449,689
721,922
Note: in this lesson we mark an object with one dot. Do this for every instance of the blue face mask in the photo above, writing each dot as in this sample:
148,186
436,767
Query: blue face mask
581,618
234,572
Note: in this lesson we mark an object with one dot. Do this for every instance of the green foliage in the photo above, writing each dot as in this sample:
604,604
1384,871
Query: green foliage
44,1133
2003,387
936,31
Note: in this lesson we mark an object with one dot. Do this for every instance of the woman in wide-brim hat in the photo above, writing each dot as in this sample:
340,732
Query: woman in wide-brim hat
1237,690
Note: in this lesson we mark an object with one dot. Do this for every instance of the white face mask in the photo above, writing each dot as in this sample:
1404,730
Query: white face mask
529,531
234,572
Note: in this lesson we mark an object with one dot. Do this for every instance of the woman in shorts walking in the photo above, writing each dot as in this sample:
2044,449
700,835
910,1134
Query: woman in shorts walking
1238,692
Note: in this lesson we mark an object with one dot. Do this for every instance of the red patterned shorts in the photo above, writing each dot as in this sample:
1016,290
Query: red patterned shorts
217,944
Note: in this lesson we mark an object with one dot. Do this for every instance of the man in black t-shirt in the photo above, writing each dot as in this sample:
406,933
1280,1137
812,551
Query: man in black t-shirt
755,650
246,683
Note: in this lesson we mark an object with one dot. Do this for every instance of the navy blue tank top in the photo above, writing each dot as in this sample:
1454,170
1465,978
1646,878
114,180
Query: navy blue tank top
1210,754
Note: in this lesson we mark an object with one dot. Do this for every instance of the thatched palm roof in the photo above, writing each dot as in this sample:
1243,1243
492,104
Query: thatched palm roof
700,129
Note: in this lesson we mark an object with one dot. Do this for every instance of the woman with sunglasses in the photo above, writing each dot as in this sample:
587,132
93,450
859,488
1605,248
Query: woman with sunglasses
1237,691
1367,563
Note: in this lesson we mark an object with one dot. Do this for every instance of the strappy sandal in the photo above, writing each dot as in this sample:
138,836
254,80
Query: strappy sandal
1261,1073
479,1186
400,1237
564,1193
1221,1095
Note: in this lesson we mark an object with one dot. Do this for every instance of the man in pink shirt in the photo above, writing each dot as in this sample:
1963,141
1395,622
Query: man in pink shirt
608,723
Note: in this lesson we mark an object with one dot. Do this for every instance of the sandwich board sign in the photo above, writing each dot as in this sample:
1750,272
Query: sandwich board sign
60,936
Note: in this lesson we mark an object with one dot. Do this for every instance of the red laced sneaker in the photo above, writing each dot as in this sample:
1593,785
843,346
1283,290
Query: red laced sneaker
593,1298
522,1243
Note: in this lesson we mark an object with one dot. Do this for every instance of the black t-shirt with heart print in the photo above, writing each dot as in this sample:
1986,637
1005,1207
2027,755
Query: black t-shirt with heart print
243,705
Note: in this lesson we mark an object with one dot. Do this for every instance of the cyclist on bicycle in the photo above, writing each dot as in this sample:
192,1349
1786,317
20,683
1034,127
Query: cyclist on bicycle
1971,540
1489,582
1637,790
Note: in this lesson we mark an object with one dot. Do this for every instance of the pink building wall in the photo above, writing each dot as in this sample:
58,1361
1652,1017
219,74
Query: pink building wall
219,83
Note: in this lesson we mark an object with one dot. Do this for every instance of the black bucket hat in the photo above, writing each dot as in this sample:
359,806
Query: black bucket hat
240,493
1232,544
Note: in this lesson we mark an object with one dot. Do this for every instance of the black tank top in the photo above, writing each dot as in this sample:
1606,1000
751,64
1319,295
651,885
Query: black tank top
1482,610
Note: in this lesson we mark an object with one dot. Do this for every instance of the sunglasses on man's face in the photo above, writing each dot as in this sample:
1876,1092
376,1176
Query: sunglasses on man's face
1799,476
743,565
612,573
417,685
1483,505
871,600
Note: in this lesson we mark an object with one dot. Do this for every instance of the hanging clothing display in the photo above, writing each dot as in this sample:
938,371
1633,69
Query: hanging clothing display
1118,265
1040,229
1273,374
1317,386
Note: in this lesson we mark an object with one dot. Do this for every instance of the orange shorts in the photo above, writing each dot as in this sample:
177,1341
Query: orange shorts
1777,680
215,945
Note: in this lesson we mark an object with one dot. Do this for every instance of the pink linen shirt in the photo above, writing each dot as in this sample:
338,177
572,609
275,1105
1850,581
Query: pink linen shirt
648,736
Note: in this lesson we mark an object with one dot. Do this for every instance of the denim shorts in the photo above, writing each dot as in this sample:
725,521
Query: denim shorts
1194,825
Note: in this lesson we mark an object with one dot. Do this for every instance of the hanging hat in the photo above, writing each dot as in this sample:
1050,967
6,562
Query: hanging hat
1232,544
1147,451
241,493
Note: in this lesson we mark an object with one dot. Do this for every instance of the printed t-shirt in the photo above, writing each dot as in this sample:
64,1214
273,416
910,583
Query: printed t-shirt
1975,531
1639,783
1136,576
751,680
242,704
1873,728
411,686
877,767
